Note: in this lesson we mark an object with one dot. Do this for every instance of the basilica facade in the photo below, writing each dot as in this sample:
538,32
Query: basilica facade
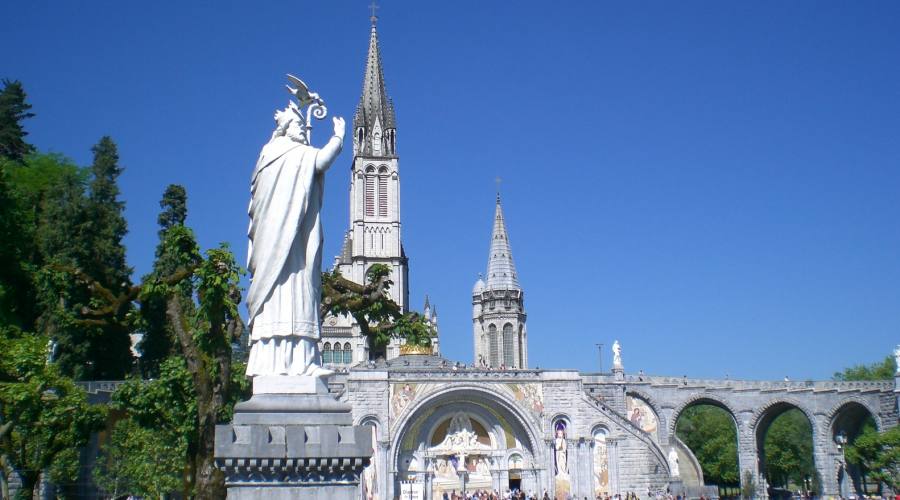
493,423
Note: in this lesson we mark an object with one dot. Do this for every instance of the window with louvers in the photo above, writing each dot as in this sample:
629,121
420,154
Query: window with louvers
382,196
493,346
326,353
348,353
370,196
509,356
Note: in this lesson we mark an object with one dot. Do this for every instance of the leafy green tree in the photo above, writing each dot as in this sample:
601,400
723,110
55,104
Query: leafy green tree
883,370
147,454
711,435
44,416
13,111
380,319
788,449
201,300
28,189
139,461
879,454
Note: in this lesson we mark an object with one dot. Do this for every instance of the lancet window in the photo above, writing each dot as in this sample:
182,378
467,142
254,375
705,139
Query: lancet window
493,345
509,355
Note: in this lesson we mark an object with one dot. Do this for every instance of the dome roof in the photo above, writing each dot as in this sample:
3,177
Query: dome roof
479,287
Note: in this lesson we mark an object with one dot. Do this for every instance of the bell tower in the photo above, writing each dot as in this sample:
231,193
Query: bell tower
374,236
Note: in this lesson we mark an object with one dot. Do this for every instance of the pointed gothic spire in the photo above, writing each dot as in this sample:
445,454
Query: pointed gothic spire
375,111
501,272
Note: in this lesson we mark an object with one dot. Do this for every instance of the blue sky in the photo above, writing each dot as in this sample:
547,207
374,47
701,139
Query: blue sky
715,184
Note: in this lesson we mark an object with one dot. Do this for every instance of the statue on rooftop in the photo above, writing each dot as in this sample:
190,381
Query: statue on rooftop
617,355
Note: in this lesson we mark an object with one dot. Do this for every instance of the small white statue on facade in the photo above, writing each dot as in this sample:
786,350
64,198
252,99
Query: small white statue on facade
617,355
897,358
285,252
673,463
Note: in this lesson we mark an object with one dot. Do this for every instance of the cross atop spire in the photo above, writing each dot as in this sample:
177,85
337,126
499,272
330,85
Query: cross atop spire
374,18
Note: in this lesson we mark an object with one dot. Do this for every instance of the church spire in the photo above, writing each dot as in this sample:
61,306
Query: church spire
501,272
374,123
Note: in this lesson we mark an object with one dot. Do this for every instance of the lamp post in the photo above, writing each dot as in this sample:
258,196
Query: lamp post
841,440
600,353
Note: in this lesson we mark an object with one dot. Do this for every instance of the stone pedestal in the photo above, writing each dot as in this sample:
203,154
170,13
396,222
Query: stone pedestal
298,442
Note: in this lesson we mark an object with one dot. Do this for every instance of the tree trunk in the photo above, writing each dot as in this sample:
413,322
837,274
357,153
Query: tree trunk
210,480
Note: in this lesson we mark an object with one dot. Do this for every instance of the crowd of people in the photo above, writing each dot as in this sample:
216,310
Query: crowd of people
516,494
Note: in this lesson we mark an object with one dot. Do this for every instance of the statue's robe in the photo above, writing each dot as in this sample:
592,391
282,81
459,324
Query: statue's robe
285,259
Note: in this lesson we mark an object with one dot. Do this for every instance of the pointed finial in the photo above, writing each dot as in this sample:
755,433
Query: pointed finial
498,180
374,18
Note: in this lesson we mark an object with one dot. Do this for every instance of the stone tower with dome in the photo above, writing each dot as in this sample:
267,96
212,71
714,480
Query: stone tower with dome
498,306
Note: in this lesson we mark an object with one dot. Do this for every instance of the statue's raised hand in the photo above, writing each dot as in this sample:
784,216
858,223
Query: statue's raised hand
338,127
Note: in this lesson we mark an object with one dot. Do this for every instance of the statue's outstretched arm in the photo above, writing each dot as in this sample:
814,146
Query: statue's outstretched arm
332,149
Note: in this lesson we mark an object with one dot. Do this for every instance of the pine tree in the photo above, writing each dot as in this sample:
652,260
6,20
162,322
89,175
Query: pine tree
105,225
157,343
13,110
174,205
16,296
81,237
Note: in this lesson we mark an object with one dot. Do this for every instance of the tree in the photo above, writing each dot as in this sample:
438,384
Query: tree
884,370
201,299
379,318
80,236
139,461
13,110
711,435
788,449
44,416
157,342
148,450
174,205
40,213
879,454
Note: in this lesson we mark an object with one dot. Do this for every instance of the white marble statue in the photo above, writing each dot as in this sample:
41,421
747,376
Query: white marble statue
460,436
673,463
617,354
897,358
285,254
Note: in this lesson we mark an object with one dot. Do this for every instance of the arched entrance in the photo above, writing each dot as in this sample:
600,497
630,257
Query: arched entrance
708,428
466,439
784,440
848,422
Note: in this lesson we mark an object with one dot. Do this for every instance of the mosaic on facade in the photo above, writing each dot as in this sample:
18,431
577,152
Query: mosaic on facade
530,395
601,464
641,415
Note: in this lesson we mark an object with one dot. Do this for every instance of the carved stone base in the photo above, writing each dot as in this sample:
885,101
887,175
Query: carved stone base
293,461
284,446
